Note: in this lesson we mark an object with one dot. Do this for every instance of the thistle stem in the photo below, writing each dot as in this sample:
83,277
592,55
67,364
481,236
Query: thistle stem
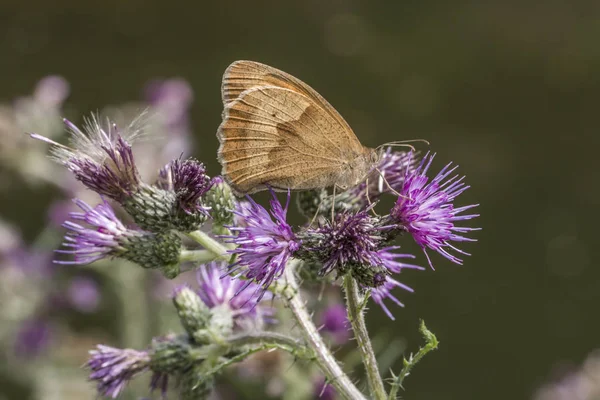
357,320
268,340
209,244
324,358
198,256
133,318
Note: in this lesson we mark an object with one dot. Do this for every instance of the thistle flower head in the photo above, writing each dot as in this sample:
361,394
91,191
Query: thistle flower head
89,244
84,294
113,368
240,297
51,91
354,243
380,293
190,182
425,208
352,238
106,236
100,157
334,321
172,99
265,242
33,337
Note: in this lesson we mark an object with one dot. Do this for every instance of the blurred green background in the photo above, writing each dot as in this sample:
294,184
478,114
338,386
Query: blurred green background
507,89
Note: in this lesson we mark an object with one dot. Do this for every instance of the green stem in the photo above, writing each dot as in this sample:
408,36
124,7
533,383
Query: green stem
198,256
133,318
357,319
210,244
272,340
324,358
431,343
264,337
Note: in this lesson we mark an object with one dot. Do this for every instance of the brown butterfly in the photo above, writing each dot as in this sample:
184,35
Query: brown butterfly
279,132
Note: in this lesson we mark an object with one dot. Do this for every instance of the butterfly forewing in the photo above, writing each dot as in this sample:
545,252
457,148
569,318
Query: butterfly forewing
279,132
243,75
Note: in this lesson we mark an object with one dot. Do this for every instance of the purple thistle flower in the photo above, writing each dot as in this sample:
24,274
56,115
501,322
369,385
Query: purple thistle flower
334,321
356,239
239,296
33,337
92,244
190,182
84,294
113,368
102,159
382,292
51,91
350,239
425,209
264,245
172,99
388,259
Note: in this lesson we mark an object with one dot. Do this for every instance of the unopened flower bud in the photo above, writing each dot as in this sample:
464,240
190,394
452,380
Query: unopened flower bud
221,201
152,250
156,210
170,354
194,315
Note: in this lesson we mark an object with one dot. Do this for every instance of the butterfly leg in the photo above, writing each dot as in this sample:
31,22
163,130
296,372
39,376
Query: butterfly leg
333,204
317,210
369,197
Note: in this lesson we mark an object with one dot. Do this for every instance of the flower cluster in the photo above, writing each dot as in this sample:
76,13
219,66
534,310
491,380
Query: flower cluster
151,224
101,157
357,242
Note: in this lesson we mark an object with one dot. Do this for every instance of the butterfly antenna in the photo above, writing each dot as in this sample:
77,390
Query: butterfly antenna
312,221
410,146
403,143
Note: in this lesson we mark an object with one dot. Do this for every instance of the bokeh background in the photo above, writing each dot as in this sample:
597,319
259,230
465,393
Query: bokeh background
507,89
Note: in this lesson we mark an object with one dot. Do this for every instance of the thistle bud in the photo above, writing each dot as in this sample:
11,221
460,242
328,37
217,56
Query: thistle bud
221,201
158,210
152,250
194,315
170,354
